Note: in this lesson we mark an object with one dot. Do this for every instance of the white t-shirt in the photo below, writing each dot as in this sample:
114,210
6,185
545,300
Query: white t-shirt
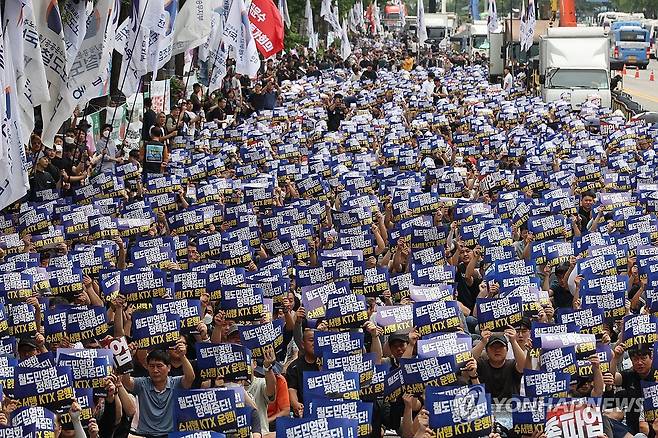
428,89
508,82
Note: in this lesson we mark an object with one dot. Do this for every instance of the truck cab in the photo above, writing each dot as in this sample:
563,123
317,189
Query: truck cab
478,38
440,27
564,69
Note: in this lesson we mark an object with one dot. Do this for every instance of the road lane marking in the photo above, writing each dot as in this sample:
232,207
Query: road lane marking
636,93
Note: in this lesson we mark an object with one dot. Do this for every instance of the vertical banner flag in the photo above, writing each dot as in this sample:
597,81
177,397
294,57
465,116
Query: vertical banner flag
492,19
53,51
13,162
283,9
266,27
237,34
28,62
421,30
310,29
75,27
193,24
531,23
345,46
90,68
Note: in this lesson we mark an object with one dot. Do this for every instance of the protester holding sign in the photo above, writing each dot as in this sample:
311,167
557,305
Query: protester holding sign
155,392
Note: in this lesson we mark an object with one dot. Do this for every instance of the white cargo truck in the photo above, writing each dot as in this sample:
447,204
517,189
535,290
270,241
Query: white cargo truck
575,61
478,38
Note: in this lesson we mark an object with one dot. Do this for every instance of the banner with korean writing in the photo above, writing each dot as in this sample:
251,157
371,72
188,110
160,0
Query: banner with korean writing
346,311
331,384
307,427
87,372
189,312
349,409
496,314
529,415
50,387
575,418
465,416
640,329
337,342
457,345
363,364
205,409
242,303
141,285
394,318
223,361
86,322
255,337
438,316
420,372
155,330
546,383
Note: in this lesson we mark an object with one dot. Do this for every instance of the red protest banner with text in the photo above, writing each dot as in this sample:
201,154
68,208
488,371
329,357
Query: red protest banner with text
266,27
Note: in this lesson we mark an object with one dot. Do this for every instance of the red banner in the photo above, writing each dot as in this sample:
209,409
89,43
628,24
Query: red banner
266,26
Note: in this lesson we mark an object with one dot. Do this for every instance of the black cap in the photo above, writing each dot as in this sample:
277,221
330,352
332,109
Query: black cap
497,338
27,342
525,322
404,337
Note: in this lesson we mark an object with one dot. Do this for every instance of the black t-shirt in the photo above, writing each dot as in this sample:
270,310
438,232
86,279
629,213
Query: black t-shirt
500,382
369,74
632,389
257,100
562,297
41,181
148,122
466,294
295,374
216,114
63,163
334,117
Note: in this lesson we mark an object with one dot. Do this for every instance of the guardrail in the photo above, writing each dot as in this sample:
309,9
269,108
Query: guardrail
625,103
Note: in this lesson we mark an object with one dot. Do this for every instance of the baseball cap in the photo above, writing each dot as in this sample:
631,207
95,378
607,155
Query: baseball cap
232,329
497,338
27,342
404,337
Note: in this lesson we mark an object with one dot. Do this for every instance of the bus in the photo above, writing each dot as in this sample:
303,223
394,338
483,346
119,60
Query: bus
652,27
629,45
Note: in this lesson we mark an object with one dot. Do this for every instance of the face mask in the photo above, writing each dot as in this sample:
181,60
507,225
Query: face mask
207,320
106,133
69,140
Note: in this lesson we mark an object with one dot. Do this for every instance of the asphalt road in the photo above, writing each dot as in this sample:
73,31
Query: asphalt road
644,91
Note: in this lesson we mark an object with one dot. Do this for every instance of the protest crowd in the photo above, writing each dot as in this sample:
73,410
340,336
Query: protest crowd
374,245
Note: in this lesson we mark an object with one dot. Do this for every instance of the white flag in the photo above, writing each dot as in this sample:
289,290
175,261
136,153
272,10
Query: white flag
162,37
310,30
492,19
193,24
325,7
283,9
74,27
32,86
331,17
145,16
91,68
531,24
523,26
345,46
53,51
14,182
421,30
237,34
216,52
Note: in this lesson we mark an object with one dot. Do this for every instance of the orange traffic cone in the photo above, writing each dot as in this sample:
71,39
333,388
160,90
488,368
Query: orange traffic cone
623,70
651,77
637,73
